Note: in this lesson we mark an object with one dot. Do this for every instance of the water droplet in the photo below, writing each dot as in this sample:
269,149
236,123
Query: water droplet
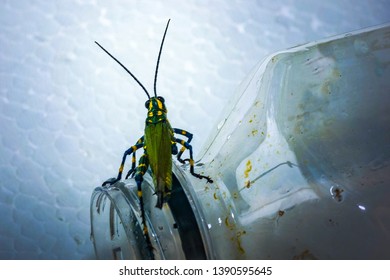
220,125
361,207
378,163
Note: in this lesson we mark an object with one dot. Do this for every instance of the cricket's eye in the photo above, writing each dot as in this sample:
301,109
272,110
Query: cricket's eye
147,104
161,99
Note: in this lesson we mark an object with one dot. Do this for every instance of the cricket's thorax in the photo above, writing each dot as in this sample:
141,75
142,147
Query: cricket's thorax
157,112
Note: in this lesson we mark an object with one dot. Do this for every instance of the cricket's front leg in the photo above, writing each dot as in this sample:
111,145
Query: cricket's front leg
132,149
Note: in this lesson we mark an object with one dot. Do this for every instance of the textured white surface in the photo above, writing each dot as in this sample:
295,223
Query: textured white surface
68,111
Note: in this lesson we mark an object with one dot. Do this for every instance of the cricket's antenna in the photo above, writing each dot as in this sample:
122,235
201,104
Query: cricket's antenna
158,59
127,70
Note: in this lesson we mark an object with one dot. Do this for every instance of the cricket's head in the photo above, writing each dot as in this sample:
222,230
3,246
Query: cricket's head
156,104
157,112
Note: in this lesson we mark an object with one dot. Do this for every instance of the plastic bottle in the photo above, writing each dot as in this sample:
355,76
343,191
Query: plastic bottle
300,163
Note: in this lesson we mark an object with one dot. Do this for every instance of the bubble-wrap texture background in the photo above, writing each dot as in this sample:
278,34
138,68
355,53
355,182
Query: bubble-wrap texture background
67,111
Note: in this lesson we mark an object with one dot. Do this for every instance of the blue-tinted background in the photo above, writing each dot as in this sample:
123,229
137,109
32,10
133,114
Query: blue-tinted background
67,111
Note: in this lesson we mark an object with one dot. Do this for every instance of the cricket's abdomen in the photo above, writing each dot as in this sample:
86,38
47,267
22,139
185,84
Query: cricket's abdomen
158,143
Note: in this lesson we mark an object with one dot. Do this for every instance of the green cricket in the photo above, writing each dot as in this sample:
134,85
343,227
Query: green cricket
159,144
